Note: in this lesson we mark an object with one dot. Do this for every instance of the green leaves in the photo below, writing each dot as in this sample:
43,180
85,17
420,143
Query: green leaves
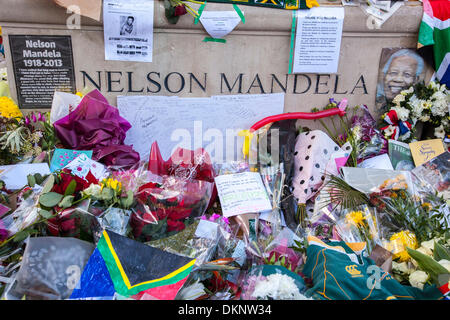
107,194
34,179
31,180
71,188
440,252
45,214
342,193
66,202
48,184
20,236
50,199
427,264
128,201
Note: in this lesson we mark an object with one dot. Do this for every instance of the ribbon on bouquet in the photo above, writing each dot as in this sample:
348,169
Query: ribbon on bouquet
400,127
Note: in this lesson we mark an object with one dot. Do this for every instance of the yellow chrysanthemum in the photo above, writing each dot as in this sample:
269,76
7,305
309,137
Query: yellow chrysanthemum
399,241
9,109
356,218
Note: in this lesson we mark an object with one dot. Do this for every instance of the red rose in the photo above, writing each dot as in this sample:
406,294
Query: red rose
180,10
179,213
174,225
61,187
68,225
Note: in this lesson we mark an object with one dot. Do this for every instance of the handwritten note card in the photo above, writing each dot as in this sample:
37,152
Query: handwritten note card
241,193
211,123
423,151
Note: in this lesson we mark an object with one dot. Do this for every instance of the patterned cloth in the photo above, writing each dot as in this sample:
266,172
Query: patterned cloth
313,152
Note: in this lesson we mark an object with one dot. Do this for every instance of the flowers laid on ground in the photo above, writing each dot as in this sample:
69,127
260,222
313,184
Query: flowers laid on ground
25,137
170,205
420,103
359,226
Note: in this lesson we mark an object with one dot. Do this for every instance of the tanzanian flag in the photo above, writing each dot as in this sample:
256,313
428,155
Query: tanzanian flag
434,35
131,269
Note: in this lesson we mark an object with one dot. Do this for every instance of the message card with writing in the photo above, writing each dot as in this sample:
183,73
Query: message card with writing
425,150
241,193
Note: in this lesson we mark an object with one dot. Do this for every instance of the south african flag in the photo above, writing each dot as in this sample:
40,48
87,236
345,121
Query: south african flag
434,37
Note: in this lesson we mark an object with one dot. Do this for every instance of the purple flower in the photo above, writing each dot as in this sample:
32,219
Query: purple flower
3,234
27,120
33,117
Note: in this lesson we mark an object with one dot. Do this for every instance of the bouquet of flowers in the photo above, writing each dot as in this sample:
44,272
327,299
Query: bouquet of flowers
358,131
61,196
25,137
269,282
168,206
359,225
110,204
420,103
406,219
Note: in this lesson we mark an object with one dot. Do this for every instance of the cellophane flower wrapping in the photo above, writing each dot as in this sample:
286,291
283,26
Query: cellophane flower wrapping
25,215
183,163
197,241
359,225
65,257
96,125
268,282
168,206
371,141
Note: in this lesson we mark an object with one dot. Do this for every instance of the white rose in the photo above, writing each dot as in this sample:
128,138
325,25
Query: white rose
94,190
426,251
418,278
424,118
428,244
402,113
401,267
439,132
445,264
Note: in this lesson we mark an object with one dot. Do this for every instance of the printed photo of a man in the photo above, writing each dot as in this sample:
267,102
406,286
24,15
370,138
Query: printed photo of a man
127,27
399,70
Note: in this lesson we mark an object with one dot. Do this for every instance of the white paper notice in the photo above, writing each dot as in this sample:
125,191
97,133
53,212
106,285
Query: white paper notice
379,162
15,176
128,30
219,23
241,193
211,123
318,40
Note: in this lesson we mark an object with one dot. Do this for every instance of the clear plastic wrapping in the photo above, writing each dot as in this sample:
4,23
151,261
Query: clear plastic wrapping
359,225
167,207
50,269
